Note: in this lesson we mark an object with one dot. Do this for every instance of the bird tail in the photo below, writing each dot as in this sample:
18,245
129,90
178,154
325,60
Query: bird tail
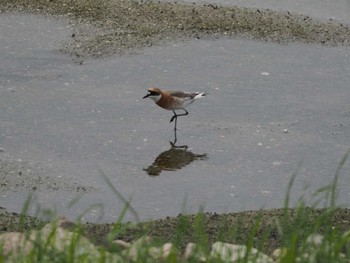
200,95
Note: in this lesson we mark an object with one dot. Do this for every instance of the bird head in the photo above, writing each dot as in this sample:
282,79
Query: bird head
154,94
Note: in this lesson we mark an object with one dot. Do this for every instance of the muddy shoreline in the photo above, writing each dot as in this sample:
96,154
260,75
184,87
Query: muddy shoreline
104,28
166,229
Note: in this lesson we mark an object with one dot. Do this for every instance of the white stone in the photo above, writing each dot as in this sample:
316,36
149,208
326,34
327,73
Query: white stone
121,243
279,253
162,252
137,248
54,237
192,251
233,253
166,250
315,240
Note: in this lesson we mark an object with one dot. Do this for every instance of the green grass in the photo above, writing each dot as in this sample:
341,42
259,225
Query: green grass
287,228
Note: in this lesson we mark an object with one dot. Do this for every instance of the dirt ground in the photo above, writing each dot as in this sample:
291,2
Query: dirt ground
103,28
232,227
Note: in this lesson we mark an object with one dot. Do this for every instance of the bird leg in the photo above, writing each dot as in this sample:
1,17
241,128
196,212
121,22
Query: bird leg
172,118
175,139
173,144
176,115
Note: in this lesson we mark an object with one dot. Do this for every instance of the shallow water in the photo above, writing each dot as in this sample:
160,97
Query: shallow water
272,110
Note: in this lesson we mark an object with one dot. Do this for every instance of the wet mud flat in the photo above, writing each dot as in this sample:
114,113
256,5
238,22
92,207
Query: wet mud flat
103,28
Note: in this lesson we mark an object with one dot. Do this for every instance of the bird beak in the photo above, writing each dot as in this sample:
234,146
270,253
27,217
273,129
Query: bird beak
147,95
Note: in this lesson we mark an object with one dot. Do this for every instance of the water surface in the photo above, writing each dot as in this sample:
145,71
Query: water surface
271,110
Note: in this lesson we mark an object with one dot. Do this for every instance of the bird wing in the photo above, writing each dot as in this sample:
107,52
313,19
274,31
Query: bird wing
183,94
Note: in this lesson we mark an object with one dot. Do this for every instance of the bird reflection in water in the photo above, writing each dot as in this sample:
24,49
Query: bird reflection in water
173,159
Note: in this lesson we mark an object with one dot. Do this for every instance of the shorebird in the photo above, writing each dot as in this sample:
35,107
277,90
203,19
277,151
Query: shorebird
173,100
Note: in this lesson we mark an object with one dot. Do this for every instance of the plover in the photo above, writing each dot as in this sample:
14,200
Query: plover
173,100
